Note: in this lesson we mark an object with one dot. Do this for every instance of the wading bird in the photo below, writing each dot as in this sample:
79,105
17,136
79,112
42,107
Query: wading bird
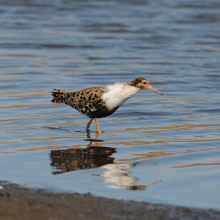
99,102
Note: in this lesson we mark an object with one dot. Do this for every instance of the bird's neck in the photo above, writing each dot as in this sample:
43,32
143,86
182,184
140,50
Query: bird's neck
117,94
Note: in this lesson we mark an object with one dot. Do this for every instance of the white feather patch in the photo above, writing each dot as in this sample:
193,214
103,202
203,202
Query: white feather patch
118,94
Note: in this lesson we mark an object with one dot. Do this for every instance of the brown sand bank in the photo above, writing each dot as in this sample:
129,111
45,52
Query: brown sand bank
20,203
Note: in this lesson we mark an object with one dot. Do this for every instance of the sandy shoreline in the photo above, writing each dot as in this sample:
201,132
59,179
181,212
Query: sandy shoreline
21,203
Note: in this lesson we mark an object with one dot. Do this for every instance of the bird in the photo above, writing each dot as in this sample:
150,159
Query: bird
99,102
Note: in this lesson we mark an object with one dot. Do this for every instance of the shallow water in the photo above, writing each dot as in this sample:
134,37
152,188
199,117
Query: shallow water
160,149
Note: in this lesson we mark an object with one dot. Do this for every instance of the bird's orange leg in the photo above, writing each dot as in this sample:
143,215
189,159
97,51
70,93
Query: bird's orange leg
88,125
97,127
97,135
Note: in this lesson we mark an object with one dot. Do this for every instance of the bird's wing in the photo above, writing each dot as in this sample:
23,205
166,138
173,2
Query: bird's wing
85,98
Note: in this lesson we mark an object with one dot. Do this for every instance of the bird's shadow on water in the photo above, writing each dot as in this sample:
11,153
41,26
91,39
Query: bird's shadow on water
71,131
78,131
96,155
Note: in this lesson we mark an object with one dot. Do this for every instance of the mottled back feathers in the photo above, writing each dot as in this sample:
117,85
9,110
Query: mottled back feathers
87,101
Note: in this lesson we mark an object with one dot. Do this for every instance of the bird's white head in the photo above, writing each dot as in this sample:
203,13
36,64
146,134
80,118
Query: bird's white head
143,84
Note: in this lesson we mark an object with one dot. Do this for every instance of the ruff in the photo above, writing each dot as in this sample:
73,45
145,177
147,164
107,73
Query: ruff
116,95
99,102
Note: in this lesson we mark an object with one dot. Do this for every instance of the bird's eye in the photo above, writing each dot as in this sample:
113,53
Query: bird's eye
144,82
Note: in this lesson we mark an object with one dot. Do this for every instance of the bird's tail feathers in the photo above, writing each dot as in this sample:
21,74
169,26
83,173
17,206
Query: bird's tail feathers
59,96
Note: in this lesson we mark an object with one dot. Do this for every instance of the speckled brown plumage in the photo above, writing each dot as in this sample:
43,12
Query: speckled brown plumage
86,101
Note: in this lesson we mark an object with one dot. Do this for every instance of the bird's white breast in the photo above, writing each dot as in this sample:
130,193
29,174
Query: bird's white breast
117,94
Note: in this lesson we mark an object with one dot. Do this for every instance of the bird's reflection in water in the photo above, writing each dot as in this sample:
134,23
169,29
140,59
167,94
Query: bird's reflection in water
80,159
117,174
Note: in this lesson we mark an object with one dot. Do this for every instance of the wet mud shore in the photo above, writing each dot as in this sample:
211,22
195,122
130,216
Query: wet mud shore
25,204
